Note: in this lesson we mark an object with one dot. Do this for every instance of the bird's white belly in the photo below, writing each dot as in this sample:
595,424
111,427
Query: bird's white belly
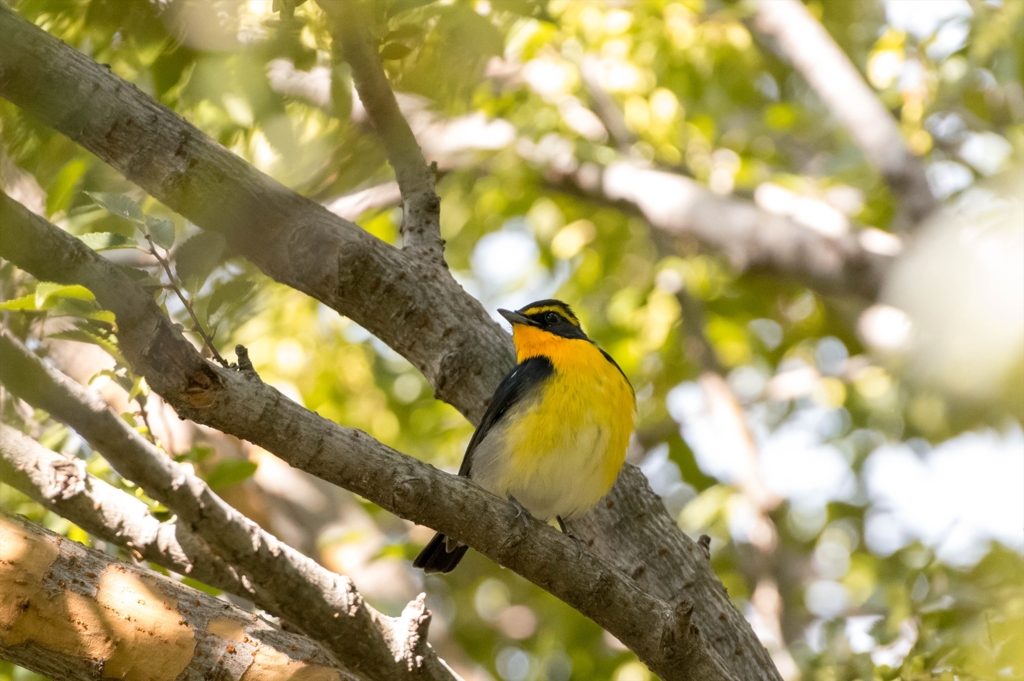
565,479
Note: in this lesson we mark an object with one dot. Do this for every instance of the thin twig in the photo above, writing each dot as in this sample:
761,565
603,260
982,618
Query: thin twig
421,214
140,400
198,328
6,325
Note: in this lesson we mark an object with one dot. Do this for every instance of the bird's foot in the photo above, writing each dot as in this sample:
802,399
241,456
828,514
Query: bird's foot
563,528
521,512
570,535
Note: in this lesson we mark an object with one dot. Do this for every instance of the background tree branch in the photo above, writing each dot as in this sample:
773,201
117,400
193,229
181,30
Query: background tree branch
751,239
813,52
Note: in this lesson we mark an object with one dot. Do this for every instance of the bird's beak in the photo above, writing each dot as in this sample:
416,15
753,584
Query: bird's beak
514,318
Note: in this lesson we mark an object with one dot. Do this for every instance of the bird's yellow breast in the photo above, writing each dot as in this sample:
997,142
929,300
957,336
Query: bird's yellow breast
568,442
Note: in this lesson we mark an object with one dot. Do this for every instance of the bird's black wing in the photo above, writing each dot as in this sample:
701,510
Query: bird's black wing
524,378
616,365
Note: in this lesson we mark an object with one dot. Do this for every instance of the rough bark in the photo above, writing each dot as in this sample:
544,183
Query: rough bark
71,612
286,583
806,43
238,403
654,565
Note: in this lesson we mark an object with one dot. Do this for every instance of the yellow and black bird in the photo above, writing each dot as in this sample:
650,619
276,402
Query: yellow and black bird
555,433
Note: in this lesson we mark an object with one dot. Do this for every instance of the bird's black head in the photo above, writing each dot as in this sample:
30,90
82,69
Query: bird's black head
552,316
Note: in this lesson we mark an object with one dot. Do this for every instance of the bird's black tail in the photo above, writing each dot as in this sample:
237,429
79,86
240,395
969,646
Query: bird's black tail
435,556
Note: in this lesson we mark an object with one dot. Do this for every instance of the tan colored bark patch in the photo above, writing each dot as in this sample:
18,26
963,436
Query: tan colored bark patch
272,665
227,628
61,620
24,559
268,663
152,642
130,625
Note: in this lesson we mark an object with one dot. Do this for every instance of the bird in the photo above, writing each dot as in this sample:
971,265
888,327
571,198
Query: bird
554,436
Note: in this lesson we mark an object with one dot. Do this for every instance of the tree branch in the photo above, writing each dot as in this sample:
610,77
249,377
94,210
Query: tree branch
407,302
74,614
291,585
810,48
421,216
62,485
247,408
750,238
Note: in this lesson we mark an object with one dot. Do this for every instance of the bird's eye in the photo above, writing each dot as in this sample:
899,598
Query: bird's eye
552,318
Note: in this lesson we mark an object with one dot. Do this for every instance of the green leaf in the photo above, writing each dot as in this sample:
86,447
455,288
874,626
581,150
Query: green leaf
394,51
24,303
403,32
232,293
104,316
48,294
197,258
230,472
105,241
137,389
196,584
83,336
75,307
400,6
119,205
140,277
195,455
162,231
62,190
54,436
121,380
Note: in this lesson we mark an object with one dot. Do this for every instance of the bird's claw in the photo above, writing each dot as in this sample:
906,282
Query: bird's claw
570,535
521,511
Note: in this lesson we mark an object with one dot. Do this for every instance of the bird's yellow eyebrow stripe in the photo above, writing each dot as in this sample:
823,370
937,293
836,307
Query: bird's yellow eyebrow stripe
552,308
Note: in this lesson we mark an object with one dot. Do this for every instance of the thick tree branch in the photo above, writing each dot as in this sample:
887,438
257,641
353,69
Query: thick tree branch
407,301
421,216
62,485
291,585
806,43
74,614
243,406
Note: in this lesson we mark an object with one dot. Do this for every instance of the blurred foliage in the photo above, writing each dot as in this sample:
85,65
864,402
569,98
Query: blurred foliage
864,595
